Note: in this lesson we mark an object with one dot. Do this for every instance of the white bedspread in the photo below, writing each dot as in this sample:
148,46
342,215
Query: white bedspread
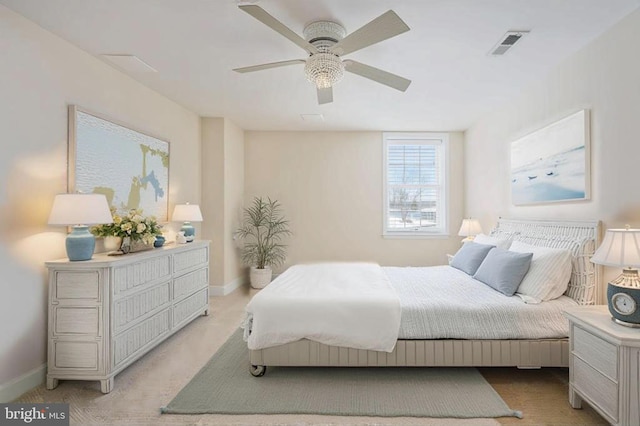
340,304
441,302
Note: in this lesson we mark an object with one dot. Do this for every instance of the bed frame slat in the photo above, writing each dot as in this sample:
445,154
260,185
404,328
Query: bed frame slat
424,353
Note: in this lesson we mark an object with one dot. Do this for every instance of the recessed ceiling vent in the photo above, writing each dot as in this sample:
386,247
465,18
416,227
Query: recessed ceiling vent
312,118
129,63
507,42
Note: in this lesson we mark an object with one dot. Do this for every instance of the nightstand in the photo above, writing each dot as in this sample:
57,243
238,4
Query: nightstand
604,365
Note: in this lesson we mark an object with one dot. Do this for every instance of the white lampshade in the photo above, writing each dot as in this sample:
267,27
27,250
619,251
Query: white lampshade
621,247
469,228
80,209
187,213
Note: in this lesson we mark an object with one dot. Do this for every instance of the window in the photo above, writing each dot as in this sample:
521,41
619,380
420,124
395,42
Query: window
415,184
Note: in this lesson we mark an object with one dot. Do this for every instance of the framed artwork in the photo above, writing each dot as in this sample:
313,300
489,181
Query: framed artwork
130,168
552,164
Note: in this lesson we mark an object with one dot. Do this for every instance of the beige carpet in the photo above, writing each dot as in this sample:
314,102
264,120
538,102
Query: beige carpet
156,378
153,380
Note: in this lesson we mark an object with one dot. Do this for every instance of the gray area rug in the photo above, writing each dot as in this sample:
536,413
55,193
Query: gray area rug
225,386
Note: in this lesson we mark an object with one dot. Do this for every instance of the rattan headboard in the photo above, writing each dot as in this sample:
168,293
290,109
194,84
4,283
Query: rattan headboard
580,237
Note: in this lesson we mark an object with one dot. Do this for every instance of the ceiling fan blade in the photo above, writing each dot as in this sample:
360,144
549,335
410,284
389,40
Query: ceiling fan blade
383,27
376,74
261,15
270,65
325,96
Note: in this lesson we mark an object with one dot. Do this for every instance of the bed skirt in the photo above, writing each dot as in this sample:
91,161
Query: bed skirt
421,353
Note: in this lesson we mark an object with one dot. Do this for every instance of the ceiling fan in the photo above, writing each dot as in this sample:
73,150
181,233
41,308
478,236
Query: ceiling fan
326,42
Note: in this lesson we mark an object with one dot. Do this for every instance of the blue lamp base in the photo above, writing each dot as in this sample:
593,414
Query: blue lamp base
189,231
80,243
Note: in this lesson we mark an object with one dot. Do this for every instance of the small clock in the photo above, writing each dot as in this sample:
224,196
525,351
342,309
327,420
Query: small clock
623,304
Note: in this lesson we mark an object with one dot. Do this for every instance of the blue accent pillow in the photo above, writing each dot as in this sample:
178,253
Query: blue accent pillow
504,270
470,256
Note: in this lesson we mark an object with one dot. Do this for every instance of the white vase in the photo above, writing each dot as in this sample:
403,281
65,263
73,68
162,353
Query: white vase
259,278
112,243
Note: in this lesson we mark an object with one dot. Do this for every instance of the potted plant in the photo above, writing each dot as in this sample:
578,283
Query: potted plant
263,231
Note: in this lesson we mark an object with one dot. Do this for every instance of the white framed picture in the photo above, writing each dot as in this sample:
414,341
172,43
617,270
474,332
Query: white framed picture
129,167
552,164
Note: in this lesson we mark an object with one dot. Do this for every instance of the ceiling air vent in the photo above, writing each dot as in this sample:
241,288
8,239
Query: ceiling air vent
129,63
507,42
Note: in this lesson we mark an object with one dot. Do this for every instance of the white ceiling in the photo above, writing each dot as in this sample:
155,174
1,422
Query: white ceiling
194,44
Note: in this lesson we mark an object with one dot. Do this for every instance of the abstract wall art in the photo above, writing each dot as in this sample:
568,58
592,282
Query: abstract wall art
130,168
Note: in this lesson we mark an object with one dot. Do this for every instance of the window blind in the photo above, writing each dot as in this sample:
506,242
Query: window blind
415,199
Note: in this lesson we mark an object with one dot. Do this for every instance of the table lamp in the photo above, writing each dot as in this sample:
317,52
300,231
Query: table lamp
79,211
187,213
621,248
469,229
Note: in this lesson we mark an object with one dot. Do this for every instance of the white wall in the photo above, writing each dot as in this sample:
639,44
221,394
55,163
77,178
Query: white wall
603,77
212,205
40,75
223,182
330,187
233,198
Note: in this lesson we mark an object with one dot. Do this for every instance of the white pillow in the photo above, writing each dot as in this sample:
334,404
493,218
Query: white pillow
502,243
548,275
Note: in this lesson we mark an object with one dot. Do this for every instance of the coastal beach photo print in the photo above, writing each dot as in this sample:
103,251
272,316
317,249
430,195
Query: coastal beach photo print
552,164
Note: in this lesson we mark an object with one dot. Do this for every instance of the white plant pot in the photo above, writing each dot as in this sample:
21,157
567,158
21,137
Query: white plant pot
259,278
112,243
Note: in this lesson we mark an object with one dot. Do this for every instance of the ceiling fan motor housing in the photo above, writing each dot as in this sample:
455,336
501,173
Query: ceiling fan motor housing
324,69
324,34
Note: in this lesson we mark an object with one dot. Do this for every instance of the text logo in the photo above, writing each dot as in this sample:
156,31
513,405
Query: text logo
34,414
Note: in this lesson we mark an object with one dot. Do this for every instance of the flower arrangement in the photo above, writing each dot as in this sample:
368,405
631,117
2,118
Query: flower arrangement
133,225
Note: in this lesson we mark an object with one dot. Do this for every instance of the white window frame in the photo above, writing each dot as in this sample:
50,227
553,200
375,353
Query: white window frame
417,138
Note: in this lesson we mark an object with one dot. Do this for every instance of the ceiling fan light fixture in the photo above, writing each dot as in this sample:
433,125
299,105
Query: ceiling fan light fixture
326,42
324,70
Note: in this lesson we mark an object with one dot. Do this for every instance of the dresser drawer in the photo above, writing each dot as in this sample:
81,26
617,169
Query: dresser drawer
132,341
189,283
601,391
192,305
184,261
598,353
76,285
77,356
141,273
130,309
77,320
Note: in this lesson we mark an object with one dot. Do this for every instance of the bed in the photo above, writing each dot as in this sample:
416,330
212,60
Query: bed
499,348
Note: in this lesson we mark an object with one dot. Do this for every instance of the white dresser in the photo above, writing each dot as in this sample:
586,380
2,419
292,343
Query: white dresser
107,312
604,365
